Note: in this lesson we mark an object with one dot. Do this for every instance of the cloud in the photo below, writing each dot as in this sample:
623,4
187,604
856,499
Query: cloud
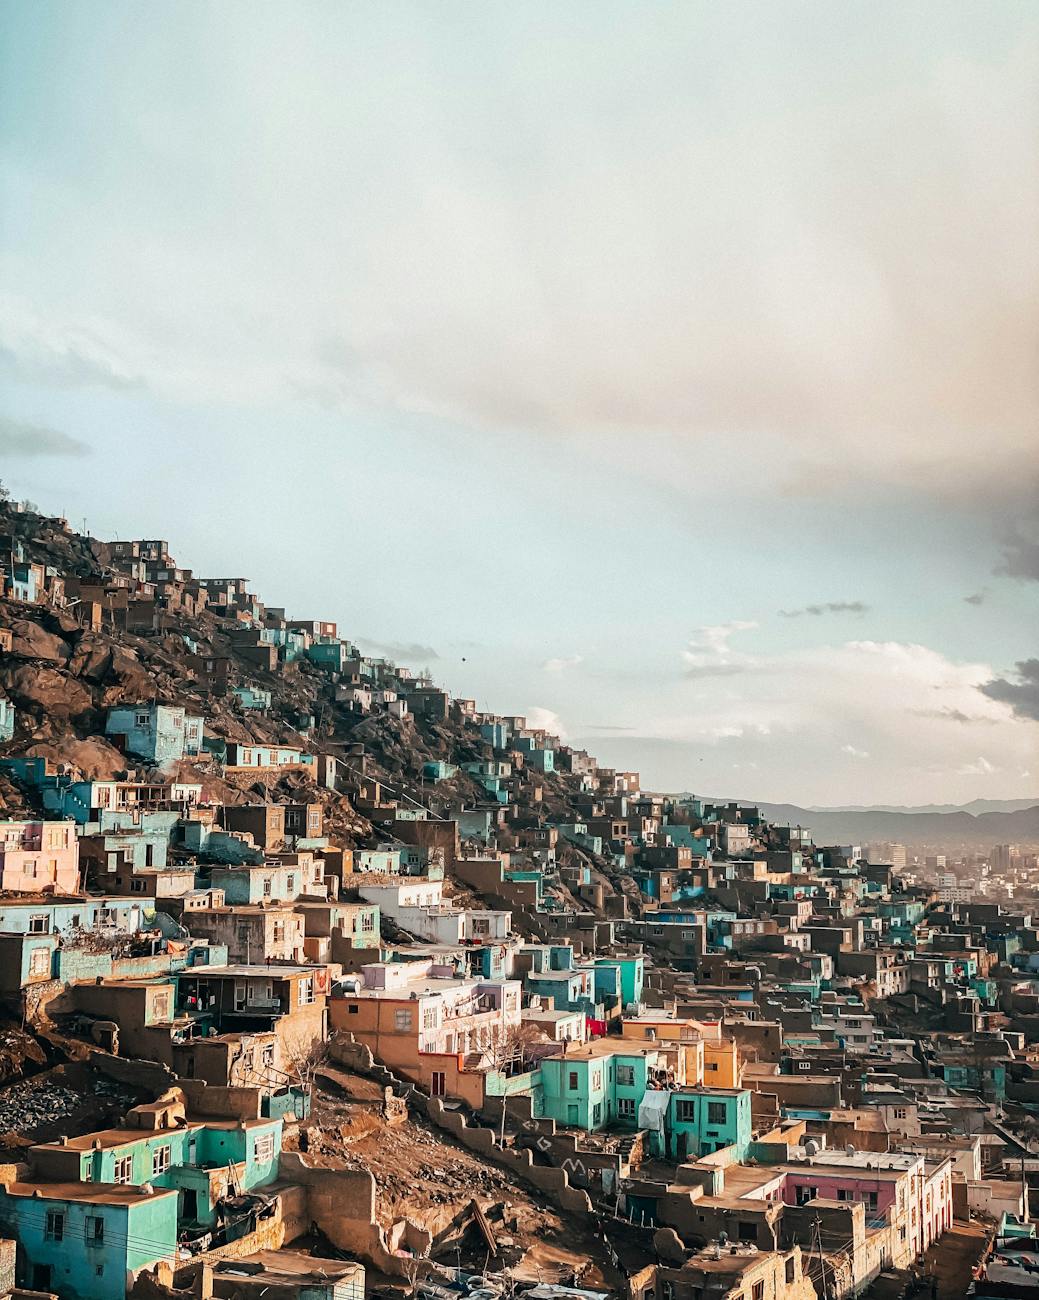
561,665
545,720
980,767
405,652
668,253
59,352
34,440
604,726
977,598
855,753
830,607
1022,695
951,715
709,654
1020,556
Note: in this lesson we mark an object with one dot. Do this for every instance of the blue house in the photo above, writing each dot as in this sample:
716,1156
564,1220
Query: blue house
252,697
89,1244
161,734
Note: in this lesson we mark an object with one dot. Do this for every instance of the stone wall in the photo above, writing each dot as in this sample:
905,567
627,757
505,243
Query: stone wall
477,1138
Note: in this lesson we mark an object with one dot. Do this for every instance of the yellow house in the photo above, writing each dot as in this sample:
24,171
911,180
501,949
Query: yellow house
722,1065
687,1032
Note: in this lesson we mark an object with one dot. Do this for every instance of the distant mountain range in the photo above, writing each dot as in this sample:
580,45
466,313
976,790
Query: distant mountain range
980,824
974,807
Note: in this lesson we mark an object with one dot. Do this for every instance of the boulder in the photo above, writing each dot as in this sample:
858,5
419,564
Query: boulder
32,642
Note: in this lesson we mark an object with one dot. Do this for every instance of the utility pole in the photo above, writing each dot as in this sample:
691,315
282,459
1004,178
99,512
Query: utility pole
817,1238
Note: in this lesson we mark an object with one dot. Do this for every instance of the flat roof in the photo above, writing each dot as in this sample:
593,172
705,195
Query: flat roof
258,969
92,1193
112,1137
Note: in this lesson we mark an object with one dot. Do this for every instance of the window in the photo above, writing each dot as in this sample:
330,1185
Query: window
266,886
264,1148
40,962
573,1081
900,1112
138,886
758,1291
597,1113
161,1159
306,991
94,1230
142,720
748,1230
717,1112
429,1018
402,1019
352,1009
626,1107
711,1065
38,923
122,1171
806,1193
790,1271
626,1076
597,1080
55,1225
686,1111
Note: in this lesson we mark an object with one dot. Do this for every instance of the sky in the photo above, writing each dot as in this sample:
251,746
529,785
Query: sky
667,373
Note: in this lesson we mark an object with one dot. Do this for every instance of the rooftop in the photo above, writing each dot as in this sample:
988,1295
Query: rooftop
90,1193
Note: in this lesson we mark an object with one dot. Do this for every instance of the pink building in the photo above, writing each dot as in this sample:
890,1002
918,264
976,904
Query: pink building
907,1193
39,857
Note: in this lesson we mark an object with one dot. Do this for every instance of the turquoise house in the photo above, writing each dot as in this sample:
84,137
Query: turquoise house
592,1091
88,1247
701,1120
632,976
251,697
201,1162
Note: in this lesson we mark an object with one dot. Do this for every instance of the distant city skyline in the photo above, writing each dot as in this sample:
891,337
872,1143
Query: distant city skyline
666,374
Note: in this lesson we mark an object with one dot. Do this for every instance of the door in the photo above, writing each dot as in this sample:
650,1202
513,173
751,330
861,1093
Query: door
189,1204
239,995
571,1114
41,1277
439,1087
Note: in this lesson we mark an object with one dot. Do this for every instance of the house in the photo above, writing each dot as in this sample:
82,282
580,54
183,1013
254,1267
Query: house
273,881
84,800
700,1120
160,734
246,756
422,1017
288,1001
38,857
417,905
88,1241
600,1083
252,933
734,1272
265,822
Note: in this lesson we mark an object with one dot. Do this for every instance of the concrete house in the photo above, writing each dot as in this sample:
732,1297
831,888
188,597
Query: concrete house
88,1241
38,857
160,734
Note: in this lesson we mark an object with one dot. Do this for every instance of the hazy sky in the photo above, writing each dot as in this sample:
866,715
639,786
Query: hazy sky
666,370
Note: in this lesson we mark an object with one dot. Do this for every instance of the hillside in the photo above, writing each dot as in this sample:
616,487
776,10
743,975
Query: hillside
101,638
